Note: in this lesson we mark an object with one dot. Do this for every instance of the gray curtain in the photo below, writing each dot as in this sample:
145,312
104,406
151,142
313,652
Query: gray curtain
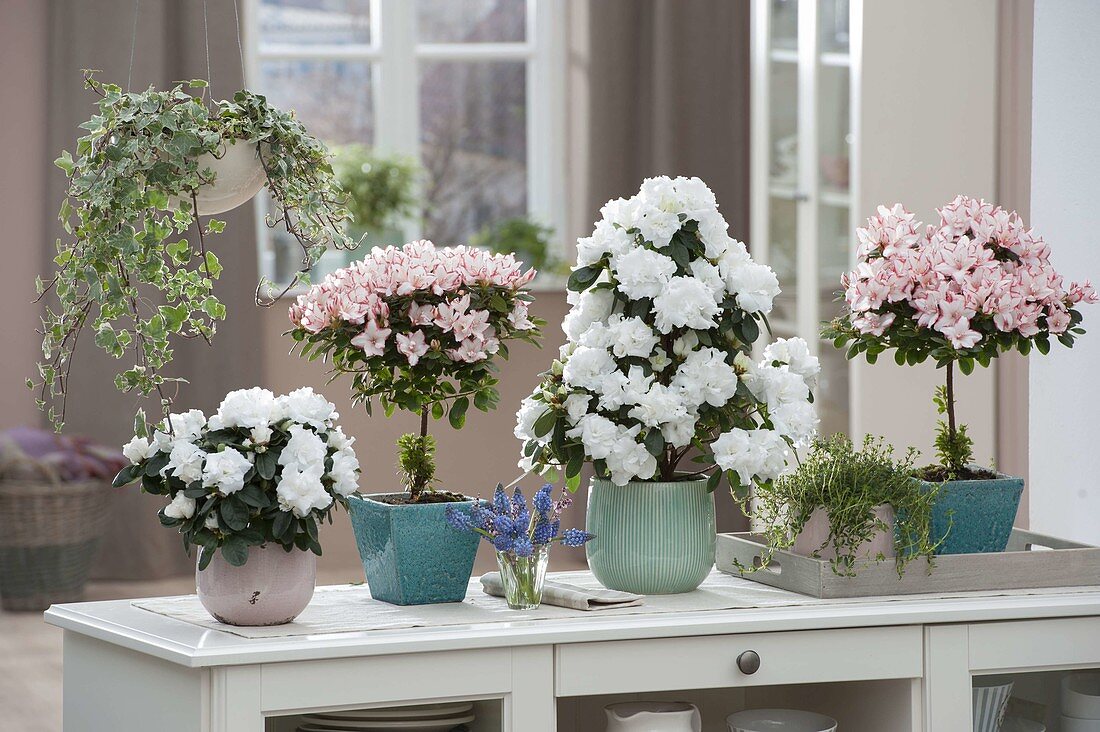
170,46
668,94
660,87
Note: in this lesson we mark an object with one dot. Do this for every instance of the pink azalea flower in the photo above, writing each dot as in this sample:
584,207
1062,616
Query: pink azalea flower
412,346
1057,320
372,340
421,314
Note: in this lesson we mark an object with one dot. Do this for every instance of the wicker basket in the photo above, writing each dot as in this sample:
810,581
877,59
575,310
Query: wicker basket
49,534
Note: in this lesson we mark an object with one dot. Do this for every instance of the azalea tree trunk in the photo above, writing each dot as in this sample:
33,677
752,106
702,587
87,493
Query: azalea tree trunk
951,402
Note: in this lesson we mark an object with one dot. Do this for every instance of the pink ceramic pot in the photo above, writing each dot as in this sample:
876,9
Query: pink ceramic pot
271,588
816,532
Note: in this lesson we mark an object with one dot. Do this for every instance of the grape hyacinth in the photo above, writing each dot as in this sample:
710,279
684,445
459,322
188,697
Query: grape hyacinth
515,528
522,536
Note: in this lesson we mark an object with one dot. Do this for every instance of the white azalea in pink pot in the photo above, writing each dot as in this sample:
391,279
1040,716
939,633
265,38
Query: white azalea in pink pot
976,284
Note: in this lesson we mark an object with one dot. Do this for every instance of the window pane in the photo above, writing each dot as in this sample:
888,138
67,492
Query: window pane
471,21
333,99
473,145
314,22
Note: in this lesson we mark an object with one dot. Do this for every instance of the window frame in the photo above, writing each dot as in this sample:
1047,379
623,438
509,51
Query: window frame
395,58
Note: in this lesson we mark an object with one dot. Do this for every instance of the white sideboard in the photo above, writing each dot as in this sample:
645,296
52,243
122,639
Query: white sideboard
901,665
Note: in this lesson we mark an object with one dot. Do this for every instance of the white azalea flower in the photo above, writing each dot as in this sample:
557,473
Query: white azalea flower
590,306
305,406
345,472
642,272
576,406
587,367
247,408
705,377
597,433
188,425
180,507
185,461
138,449
225,471
795,352
754,285
685,303
302,491
529,411
777,385
630,337
304,450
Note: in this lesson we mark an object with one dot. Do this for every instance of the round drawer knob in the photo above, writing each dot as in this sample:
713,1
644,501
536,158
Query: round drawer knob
749,662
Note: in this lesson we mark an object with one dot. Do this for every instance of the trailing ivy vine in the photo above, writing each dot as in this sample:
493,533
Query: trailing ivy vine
135,266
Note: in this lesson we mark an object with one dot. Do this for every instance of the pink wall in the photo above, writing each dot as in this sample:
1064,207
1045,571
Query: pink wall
23,51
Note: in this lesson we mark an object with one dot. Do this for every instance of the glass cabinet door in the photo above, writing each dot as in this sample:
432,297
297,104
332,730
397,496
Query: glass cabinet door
802,174
834,232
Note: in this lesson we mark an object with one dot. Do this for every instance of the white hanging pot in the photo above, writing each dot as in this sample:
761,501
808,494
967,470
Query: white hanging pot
238,176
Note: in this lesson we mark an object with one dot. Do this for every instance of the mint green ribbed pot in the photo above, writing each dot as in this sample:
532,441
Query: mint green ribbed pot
651,538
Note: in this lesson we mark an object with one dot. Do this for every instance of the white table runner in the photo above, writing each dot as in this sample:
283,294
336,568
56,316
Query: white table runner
350,608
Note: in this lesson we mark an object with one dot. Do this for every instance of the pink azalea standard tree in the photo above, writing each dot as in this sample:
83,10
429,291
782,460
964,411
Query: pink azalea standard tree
977,284
417,328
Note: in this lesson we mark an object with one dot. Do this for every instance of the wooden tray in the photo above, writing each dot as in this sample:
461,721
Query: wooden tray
1031,560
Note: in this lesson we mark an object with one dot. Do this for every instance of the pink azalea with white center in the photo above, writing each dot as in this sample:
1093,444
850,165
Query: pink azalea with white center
473,324
372,340
470,350
978,272
1082,292
519,318
422,314
413,346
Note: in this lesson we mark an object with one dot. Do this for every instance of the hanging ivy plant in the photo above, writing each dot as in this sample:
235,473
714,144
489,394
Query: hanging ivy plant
136,267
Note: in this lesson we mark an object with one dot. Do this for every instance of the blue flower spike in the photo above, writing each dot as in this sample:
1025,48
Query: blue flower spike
543,501
576,537
514,528
519,503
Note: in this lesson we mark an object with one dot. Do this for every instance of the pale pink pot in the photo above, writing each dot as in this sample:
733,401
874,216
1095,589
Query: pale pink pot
271,588
816,532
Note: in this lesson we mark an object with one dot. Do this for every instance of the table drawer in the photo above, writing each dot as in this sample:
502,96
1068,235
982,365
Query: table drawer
1034,644
702,662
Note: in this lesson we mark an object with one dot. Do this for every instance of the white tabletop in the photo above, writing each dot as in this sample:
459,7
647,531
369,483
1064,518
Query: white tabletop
120,623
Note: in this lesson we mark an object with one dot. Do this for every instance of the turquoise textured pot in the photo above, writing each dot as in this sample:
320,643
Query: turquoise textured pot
411,555
651,538
979,512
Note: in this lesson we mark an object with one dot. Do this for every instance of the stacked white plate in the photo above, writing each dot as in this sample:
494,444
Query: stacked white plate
421,718
1081,702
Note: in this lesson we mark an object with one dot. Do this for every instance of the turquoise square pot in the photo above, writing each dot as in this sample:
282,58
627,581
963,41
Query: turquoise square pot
411,555
980,514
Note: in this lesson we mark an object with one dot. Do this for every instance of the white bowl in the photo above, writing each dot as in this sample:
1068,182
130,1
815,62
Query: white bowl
1072,724
779,720
1081,695
1019,724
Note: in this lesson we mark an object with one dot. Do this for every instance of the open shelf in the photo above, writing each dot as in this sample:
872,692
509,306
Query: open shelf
858,706
488,715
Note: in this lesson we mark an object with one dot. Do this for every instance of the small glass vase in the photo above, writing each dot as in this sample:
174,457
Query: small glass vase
523,577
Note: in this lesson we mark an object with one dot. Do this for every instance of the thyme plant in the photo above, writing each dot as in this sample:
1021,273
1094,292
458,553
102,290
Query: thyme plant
849,484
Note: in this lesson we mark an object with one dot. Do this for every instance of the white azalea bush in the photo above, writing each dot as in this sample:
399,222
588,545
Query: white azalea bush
263,469
666,307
